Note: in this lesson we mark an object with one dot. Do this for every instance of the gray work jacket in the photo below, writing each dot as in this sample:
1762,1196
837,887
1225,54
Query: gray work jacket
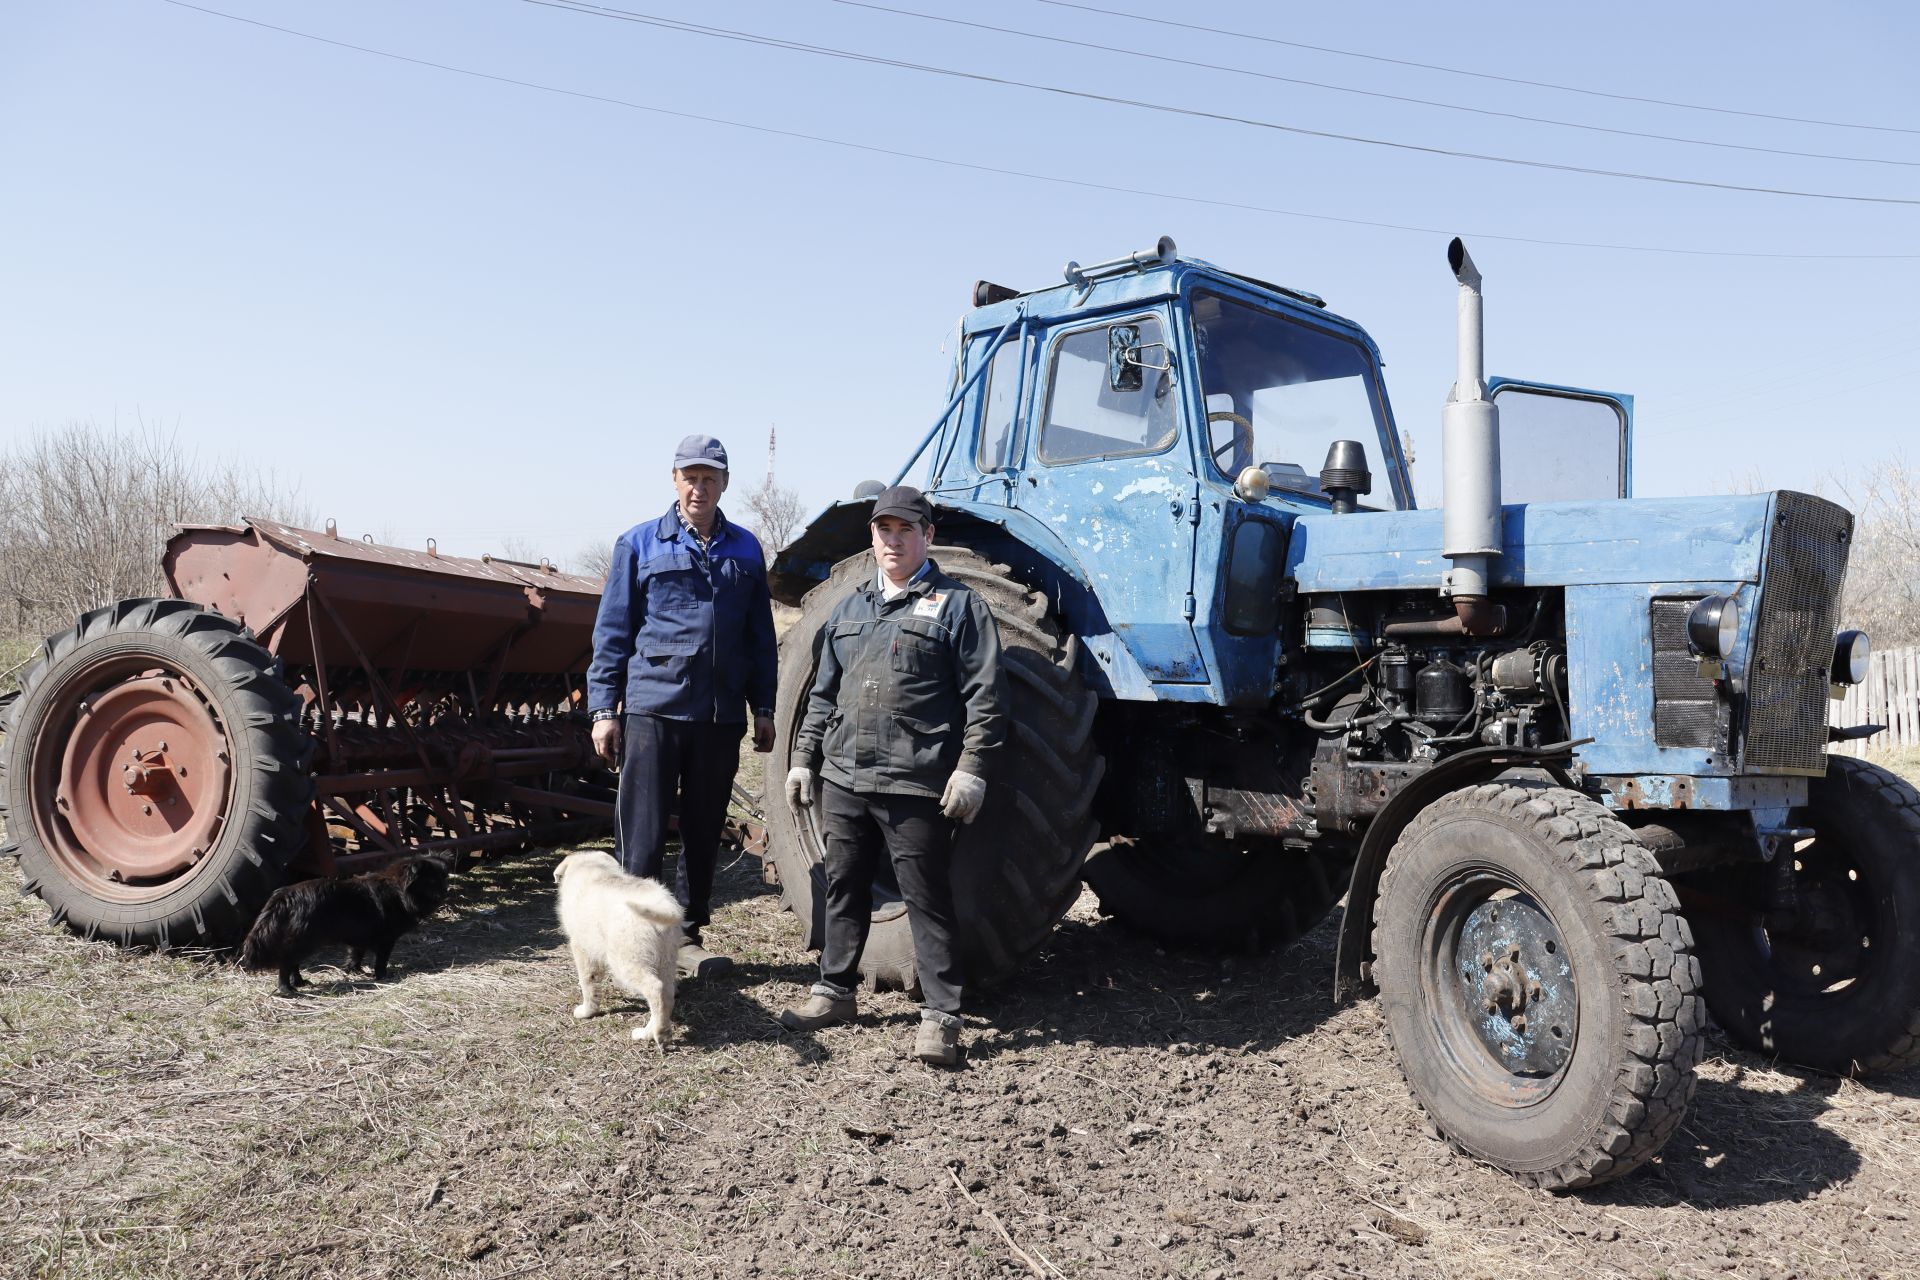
908,690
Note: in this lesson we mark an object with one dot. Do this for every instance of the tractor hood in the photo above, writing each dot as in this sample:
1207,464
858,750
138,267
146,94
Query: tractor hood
1543,544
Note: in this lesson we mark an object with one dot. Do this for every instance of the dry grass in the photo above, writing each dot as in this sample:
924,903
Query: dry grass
1904,763
1122,1112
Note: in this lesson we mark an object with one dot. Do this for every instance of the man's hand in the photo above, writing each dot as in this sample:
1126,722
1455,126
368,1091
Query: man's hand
763,734
963,797
606,741
800,784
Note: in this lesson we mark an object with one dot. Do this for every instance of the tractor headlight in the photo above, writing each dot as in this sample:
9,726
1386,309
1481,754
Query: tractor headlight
1851,649
1713,625
1253,484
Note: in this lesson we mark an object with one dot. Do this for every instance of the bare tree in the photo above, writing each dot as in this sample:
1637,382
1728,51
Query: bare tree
1883,572
86,512
776,513
595,560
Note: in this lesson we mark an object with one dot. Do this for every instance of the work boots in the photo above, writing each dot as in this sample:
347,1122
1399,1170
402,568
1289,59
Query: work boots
696,961
937,1043
818,1010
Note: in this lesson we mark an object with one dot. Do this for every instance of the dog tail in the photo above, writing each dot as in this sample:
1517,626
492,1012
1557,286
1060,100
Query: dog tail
657,908
261,950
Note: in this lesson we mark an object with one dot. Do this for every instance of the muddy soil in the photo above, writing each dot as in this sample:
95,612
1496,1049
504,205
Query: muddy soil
1120,1112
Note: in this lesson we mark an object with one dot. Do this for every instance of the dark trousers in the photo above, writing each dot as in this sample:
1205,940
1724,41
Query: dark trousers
696,761
911,830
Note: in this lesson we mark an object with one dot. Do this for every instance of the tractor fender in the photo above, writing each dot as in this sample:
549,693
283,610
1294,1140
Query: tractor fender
1351,968
841,531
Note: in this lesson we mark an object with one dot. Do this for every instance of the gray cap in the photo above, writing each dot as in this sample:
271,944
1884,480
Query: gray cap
700,451
904,501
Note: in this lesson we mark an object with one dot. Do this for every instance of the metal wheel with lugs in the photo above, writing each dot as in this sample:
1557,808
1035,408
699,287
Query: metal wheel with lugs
1538,983
1016,867
152,775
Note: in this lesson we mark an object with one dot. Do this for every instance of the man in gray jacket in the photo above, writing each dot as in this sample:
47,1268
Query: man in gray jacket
902,724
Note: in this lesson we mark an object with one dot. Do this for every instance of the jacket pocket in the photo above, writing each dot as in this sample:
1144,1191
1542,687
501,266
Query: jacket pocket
921,747
917,654
833,745
657,654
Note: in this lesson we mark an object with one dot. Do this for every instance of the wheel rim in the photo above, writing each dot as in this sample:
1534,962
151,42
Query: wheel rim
1499,986
133,778
1817,934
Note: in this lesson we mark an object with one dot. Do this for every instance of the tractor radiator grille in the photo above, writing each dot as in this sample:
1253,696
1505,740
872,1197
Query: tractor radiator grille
1788,674
1687,712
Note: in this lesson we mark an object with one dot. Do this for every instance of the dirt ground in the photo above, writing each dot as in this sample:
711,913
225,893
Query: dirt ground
1121,1112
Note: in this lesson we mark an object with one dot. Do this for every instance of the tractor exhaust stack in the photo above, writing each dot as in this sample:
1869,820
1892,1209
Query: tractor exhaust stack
1470,463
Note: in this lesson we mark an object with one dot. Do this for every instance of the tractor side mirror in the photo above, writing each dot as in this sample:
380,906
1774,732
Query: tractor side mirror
1128,357
1123,357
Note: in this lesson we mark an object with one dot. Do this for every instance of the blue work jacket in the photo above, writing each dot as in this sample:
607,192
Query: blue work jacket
683,633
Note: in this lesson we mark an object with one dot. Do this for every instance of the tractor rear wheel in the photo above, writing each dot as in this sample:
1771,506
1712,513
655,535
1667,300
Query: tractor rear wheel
1538,983
1016,867
1815,957
152,775
1208,893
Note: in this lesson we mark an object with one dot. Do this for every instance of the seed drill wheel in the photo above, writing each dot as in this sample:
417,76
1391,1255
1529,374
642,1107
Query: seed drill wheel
1815,957
1210,893
1016,867
152,775
1538,983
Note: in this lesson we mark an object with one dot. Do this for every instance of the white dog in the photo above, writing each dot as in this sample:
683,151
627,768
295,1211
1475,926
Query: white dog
625,927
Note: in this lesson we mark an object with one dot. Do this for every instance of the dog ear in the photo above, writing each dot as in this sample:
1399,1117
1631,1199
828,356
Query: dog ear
560,869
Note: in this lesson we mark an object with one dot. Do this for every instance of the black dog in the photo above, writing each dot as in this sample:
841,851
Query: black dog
366,913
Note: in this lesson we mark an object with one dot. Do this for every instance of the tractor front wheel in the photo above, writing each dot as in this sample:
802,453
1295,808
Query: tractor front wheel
152,775
1538,983
1815,957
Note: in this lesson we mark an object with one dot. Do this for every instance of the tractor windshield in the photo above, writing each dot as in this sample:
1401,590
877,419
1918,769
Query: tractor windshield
1278,392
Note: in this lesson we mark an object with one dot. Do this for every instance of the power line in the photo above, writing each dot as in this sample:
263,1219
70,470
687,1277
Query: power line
1369,93
1478,75
981,77
1053,179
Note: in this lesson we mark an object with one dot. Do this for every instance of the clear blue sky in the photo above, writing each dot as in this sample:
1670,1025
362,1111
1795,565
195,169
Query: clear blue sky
461,308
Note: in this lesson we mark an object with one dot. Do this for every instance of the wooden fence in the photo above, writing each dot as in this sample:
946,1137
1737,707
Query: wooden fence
1890,695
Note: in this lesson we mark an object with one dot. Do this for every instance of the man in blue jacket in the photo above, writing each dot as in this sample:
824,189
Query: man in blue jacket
685,641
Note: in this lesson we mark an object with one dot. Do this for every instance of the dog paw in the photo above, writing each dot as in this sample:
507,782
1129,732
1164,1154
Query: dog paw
584,1011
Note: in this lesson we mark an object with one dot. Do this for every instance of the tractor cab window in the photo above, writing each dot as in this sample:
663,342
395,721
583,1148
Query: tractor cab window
999,401
1278,392
1110,394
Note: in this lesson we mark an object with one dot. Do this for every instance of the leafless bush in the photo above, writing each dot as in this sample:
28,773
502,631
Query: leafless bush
1883,573
86,511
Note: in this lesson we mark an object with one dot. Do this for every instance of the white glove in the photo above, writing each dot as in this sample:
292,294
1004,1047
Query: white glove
963,797
799,787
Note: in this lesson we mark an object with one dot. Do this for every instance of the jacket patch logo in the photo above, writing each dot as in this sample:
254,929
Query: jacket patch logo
930,607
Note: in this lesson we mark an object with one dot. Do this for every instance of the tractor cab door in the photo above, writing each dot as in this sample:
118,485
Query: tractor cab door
1562,444
1110,471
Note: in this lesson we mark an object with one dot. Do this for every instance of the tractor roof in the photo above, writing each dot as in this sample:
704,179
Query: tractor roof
1139,286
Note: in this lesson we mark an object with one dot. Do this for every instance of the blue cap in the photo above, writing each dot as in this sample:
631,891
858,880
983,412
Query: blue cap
700,451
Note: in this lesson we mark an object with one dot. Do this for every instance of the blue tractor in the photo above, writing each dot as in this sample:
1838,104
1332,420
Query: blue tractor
1563,752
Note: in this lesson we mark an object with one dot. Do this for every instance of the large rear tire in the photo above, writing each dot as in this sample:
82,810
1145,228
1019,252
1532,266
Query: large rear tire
1206,893
1815,957
153,775
1016,867
1538,983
